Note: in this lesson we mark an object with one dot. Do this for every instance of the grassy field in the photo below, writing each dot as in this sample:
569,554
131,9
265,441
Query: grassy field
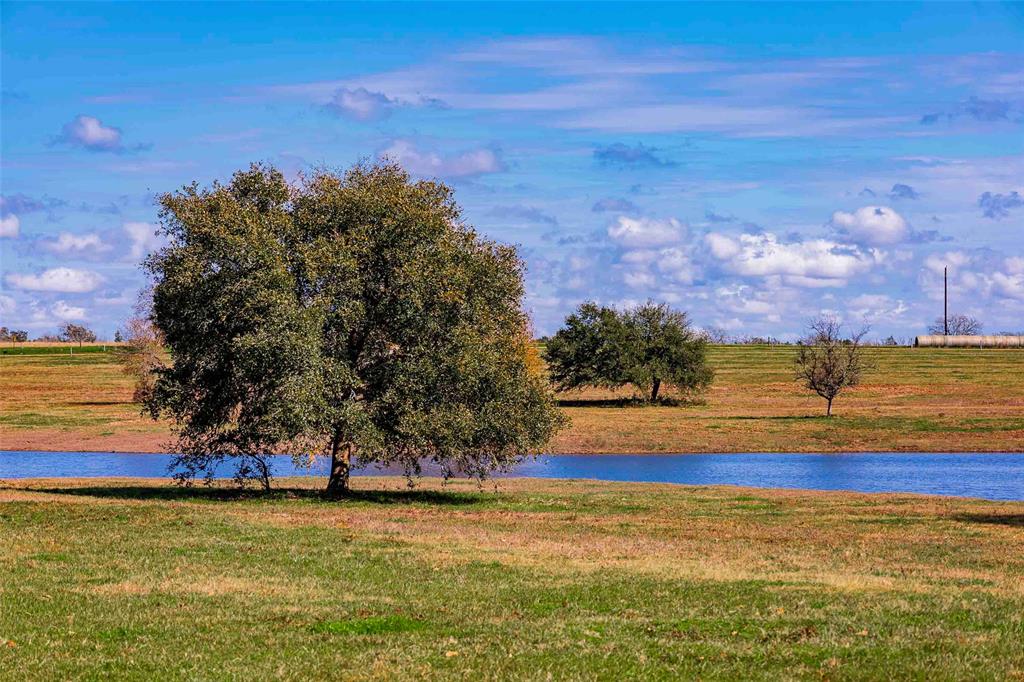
917,399
536,580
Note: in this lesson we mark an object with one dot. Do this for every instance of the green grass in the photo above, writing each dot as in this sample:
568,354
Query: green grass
539,580
57,350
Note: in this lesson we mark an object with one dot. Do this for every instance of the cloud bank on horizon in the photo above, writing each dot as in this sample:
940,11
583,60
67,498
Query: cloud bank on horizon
752,164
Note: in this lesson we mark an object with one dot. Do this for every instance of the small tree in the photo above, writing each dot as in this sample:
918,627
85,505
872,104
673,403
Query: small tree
646,346
827,363
141,356
356,316
76,333
959,325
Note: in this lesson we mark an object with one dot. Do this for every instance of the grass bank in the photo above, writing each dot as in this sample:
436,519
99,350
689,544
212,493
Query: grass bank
925,399
585,580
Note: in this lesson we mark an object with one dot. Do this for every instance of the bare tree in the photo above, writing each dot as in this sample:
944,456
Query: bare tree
143,351
76,332
826,362
959,325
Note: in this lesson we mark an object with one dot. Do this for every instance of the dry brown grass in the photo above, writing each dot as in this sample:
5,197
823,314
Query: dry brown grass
916,400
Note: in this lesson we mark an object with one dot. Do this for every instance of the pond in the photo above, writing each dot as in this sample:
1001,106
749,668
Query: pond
997,476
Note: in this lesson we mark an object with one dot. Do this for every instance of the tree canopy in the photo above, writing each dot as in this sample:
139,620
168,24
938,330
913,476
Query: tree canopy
348,315
645,346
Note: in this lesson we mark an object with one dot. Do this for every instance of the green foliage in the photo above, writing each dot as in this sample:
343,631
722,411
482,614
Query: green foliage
644,346
353,313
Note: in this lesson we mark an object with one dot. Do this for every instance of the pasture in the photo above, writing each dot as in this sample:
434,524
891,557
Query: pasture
918,399
533,580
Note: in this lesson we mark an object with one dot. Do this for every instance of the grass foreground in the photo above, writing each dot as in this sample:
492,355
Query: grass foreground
528,579
918,399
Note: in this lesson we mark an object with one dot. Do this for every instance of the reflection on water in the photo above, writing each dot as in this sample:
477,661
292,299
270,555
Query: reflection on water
998,476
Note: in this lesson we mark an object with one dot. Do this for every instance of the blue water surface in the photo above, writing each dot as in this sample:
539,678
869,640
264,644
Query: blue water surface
996,476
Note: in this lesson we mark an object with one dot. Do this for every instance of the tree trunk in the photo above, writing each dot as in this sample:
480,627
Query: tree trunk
828,411
654,389
341,460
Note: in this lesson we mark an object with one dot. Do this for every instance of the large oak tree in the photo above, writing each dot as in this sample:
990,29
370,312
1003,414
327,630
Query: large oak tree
353,315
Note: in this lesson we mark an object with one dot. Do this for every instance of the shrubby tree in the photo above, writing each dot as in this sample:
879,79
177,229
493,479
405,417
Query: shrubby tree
646,346
76,333
959,325
827,363
356,316
141,356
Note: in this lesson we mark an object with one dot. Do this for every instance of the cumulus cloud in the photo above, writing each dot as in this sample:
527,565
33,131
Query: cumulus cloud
645,232
361,104
622,155
528,214
981,273
875,308
810,263
63,311
465,164
901,191
875,225
9,226
997,206
614,206
88,132
64,280
67,242
143,238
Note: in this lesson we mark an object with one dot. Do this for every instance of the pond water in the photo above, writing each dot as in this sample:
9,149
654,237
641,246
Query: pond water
997,476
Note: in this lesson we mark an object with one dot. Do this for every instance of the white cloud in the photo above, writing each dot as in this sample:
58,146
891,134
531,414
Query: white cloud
7,304
676,263
644,232
144,239
88,132
954,260
465,164
876,307
68,242
722,247
638,279
814,262
63,311
1010,283
65,280
360,104
877,225
9,225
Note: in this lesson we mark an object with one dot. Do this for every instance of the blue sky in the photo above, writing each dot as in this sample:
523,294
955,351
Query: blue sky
754,164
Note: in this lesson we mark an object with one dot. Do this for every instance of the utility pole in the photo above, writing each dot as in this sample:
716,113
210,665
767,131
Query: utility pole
945,302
